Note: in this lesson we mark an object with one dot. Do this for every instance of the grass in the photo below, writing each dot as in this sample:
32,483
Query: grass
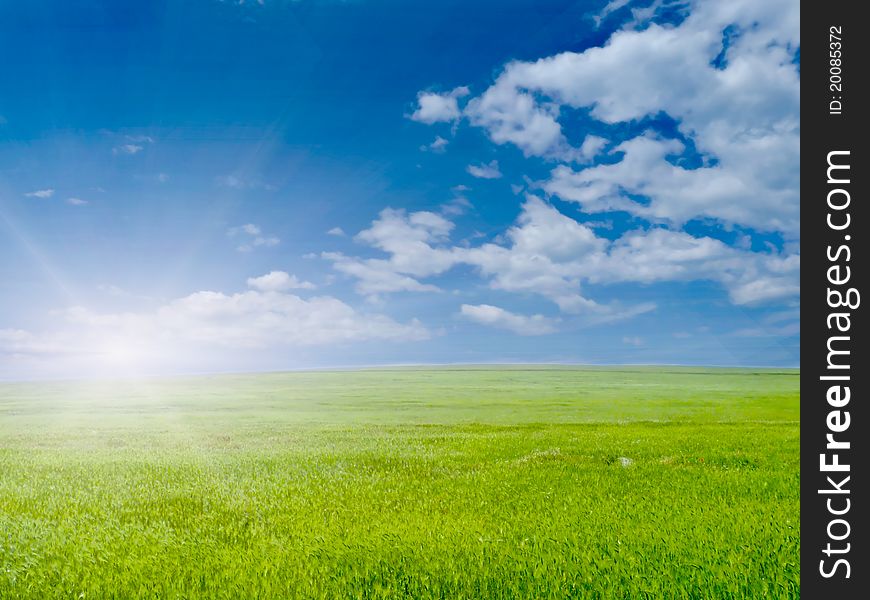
404,483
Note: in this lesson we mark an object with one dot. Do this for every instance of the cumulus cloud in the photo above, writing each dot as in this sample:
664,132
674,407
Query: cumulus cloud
259,319
336,231
515,117
706,141
744,129
438,108
750,128
46,193
591,147
194,329
278,281
664,255
549,254
676,194
263,318
495,316
539,255
487,171
412,241
375,276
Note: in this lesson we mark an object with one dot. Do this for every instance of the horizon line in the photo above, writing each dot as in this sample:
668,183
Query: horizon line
385,366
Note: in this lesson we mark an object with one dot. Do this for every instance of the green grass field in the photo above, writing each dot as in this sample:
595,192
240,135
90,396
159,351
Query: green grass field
404,483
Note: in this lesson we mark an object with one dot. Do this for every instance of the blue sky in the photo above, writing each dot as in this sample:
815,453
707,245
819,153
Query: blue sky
209,186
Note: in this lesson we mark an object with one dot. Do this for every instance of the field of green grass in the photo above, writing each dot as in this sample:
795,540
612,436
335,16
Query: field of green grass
404,483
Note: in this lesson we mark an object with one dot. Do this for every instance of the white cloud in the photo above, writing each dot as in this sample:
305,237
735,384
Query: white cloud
375,276
336,231
76,201
540,256
46,193
252,237
733,161
487,171
409,239
549,254
436,108
196,330
746,128
632,340
455,207
664,255
514,117
261,319
676,194
438,146
495,316
412,240
642,14
278,281
591,147
609,8
134,144
128,149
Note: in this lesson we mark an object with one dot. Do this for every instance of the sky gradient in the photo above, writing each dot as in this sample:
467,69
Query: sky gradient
229,186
